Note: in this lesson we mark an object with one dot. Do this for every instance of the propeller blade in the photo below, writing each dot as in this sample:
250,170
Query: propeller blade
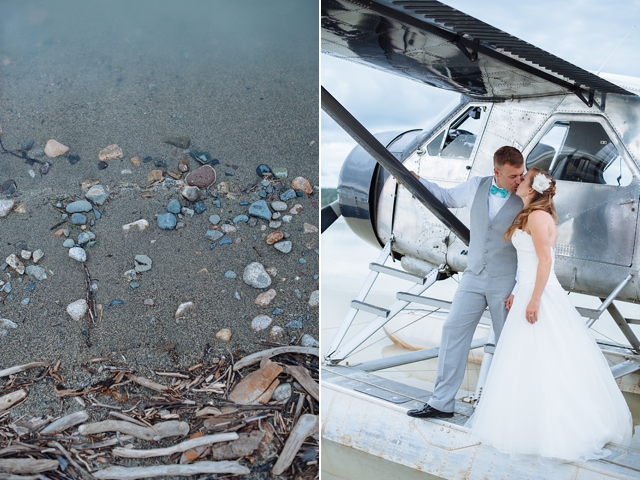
330,214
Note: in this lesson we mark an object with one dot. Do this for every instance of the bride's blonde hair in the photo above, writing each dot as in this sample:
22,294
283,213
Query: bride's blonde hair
540,201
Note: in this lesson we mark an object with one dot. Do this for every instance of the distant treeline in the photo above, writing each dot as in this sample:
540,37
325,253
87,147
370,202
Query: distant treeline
329,195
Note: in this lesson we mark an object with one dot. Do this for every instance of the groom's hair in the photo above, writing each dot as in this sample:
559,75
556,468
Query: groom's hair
508,155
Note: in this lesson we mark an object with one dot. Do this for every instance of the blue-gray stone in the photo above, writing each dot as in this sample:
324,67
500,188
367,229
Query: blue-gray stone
31,287
284,246
97,194
92,236
214,234
243,204
167,221
302,261
288,195
297,323
214,219
37,272
277,311
299,193
230,274
241,218
68,243
134,284
116,302
64,216
199,207
315,276
25,301
83,238
78,219
97,213
260,209
79,206
225,241
256,276
216,203
212,246
173,206
262,194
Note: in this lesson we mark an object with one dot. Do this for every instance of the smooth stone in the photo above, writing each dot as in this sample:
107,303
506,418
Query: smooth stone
37,256
183,308
301,183
276,215
279,206
97,213
214,219
287,218
183,164
284,246
13,261
174,206
141,225
68,243
155,176
148,302
214,235
191,193
167,221
308,341
265,298
134,284
296,209
112,152
187,212
255,275
37,272
180,141
314,298
102,165
216,203
25,254
54,149
83,238
7,287
9,187
143,263
308,228
78,254
241,219
226,228
5,207
302,261
260,209
97,194
202,157
79,206
225,241
224,335
277,332
288,195
282,393
280,172
275,224
180,225
136,161
261,322
201,177
296,324
277,311
230,274
199,207
78,219
263,169
77,309
272,271
115,303
130,275
274,237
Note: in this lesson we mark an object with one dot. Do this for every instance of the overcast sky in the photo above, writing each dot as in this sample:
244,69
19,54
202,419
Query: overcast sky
583,32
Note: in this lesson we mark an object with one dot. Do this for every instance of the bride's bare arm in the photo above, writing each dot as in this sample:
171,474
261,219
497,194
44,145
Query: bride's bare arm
538,225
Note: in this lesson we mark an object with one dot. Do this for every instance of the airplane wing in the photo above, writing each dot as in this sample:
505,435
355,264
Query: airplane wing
432,43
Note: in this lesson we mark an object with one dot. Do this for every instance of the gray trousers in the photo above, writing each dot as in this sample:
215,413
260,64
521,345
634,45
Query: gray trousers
474,293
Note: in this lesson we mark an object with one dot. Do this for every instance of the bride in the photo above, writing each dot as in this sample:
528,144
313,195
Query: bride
550,391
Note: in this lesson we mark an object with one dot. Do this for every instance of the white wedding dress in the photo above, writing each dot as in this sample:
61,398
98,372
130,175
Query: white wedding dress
550,392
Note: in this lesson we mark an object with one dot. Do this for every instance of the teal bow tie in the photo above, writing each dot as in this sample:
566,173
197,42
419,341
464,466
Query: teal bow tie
499,191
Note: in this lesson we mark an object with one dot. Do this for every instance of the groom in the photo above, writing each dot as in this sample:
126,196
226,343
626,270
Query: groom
490,274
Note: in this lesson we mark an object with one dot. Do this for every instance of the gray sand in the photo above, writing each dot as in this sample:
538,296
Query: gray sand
241,80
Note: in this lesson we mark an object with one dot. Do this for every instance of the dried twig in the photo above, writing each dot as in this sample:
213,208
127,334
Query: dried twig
21,368
124,473
257,357
180,447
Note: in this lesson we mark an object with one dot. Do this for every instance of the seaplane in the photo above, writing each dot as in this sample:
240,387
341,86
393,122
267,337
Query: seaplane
582,127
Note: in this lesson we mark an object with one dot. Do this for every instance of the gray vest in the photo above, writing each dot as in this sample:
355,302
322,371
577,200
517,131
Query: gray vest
487,248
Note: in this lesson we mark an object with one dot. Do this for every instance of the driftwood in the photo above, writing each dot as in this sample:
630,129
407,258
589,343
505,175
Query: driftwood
180,447
68,421
156,432
124,473
257,357
208,411
145,382
307,425
20,368
10,400
22,477
303,377
105,443
26,465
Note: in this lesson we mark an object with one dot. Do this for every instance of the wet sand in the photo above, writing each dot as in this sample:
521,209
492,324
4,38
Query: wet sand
239,79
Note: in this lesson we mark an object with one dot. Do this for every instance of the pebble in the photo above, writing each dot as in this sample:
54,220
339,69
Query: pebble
296,209
256,276
302,261
276,215
180,225
279,206
32,286
301,183
187,212
141,225
274,237
238,297
130,275
78,254
287,218
167,221
78,219
136,161
25,301
148,302
216,203
25,254
180,141
37,272
199,207
262,169
5,323
97,213
282,393
143,263
83,238
79,206
277,311
240,219
276,332
190,193
13,262
284,246
230,274
308,228
272,271
224,335
214,235
183,308
54,149
183,164
308,341
97,194
7,287
155,176
280,172
134,284
5,207
202,157
77,309
37,256
111,152
265,298
214,219
9,187
260,209
275,224
261,322
225,241
288,195
201,177
296,324
174,206
227,228
102,165
314,298
68,243
115,303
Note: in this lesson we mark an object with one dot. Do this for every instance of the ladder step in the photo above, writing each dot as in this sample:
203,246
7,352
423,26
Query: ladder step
366,307
376,267
593,313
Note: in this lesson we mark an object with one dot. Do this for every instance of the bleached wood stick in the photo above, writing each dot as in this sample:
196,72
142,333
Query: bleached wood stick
145,382
257,357
307,425
68,421
124,473
105,443
302,375
180,447
160,430
10,400
26,465
22,477
20,368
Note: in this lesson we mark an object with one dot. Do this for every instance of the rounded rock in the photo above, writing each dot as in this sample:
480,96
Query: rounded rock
111,152
265,298
54,149
224,335
277,332
260,209
77,309
282,393
191,193
261,322
214,219
79,206
284,246
78,219
201,177
167,221
78,254
279,206
274,237
314,298
256,276
301,183
5,207
174,206
97,194
143,263
68,243
308,341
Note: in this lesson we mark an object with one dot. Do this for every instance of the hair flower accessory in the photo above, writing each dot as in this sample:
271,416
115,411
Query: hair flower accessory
540,183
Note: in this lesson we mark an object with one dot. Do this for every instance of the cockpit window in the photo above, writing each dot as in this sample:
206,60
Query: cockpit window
580,152
460,136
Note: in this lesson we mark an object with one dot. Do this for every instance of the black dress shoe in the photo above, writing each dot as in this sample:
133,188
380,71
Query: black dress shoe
427,411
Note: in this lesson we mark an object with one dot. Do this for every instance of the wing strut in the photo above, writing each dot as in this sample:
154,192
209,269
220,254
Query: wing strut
385,158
